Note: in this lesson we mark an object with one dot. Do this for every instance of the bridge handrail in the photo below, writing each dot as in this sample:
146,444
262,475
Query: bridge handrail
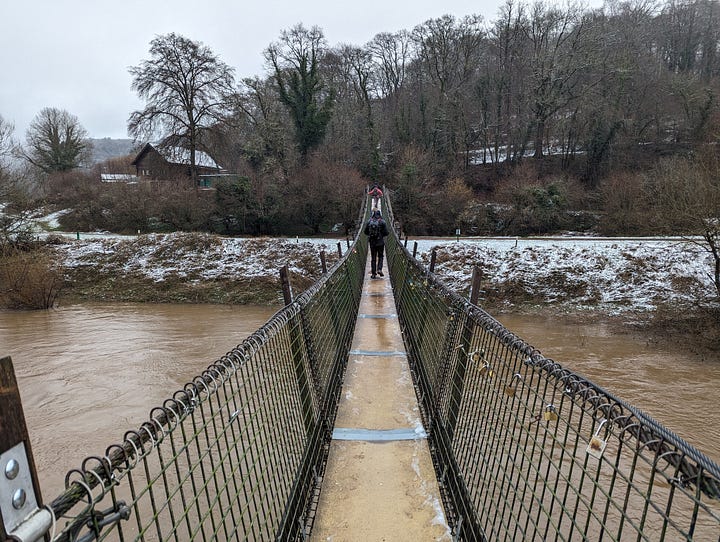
299,355
478,382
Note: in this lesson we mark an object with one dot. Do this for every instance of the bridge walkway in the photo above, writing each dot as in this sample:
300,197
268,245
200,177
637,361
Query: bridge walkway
379,481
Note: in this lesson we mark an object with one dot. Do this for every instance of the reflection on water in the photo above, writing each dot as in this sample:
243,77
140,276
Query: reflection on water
678,390
87,374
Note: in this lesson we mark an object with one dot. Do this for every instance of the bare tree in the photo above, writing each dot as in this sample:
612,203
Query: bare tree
7,146
501,89
685,197
560,53
449,52
188,90
391,55
56,141
352,131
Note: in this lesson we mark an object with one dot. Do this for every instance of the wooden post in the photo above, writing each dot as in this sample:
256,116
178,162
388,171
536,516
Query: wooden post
433,256
19,487
475,286
339,245
323,264
464,358
347,242
286,287
414,249
406,240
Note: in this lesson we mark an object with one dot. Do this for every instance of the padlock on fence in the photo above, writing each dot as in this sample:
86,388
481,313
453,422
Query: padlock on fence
510,389
550,414
596,446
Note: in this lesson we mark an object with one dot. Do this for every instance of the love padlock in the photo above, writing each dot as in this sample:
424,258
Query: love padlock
596,446
477,355
510,389
550,414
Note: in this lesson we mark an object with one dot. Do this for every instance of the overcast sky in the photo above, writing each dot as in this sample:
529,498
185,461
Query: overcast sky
75,54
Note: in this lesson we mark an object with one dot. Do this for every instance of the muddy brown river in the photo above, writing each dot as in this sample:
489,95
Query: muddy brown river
676,388
89,373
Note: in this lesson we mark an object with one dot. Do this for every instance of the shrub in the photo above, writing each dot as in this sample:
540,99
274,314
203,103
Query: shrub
28,280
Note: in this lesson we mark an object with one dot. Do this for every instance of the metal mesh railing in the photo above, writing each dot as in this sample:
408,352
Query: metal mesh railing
238,453
524,449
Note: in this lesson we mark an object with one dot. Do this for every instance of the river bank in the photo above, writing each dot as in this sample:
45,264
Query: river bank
659,288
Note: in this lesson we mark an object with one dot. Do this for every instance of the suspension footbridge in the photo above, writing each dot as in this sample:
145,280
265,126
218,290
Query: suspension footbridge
391,409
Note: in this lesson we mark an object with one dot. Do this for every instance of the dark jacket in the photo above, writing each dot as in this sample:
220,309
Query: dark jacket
382,227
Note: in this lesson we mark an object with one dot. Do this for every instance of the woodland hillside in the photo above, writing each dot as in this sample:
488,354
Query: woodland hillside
545,119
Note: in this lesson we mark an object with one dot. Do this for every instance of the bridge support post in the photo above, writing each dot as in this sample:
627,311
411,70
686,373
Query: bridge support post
20,500
458,380
475,286
286,287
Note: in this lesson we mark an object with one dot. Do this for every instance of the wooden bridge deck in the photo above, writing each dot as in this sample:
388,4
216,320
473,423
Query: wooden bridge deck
379,482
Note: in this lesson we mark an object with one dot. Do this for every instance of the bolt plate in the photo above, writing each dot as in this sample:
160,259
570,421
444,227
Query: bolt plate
11,516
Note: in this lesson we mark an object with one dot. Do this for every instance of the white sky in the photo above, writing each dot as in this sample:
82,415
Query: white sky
75,54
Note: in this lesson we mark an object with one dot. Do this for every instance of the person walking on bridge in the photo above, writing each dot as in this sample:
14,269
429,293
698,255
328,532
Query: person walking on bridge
376,194
376,230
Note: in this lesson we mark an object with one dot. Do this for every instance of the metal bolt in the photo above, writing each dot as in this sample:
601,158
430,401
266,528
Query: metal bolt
19,498
11,469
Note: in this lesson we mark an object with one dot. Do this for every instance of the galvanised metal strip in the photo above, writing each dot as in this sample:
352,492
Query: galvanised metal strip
377,435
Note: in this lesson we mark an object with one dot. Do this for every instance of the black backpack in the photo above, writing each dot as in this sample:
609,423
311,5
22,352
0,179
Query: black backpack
374,229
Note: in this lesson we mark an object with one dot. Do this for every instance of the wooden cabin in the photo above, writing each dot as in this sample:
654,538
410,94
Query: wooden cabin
167,163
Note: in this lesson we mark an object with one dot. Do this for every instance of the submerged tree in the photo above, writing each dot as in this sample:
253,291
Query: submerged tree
56,141
296,68
187,90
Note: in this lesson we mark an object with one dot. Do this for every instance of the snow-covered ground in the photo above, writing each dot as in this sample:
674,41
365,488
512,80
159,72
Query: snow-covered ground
613,273
196,257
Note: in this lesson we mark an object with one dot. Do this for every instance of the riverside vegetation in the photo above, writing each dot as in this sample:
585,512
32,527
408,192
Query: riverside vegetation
664,295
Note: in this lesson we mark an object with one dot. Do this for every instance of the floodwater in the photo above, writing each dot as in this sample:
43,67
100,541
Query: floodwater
676,388
89,373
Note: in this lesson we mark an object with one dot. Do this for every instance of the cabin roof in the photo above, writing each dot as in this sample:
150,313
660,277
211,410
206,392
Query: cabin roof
178,156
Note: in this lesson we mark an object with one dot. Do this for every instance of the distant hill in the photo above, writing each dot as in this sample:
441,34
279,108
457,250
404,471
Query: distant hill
106,148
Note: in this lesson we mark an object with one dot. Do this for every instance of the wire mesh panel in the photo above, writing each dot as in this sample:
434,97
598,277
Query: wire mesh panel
239,453
525,449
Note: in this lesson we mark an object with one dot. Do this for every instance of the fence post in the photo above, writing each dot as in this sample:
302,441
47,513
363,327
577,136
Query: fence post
339,245
286,287
20,498
323,263
475,286
414,249
464,358
298,346
433,256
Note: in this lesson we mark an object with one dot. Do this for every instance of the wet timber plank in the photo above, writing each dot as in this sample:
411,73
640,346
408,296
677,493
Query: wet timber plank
379,482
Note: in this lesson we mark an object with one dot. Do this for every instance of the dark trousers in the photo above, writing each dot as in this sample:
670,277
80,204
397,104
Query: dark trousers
376,258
